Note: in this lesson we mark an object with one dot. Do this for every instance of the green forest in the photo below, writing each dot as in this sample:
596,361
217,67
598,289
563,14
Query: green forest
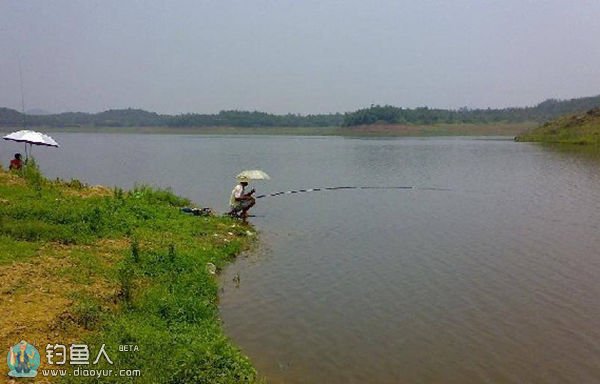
542,112
375,114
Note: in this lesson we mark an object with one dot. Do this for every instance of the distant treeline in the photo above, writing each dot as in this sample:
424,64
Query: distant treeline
253,119
542,112
375,114
140,118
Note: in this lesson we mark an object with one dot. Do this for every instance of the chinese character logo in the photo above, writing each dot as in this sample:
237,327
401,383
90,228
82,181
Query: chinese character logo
79,354
23,360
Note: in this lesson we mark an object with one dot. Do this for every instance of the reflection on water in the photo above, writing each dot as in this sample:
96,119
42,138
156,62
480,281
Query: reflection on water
495,280
590,152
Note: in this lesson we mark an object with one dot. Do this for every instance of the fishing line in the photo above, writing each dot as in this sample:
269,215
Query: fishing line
346,188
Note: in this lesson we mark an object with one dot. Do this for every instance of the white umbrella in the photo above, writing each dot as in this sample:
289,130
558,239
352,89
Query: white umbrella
252,174
31,138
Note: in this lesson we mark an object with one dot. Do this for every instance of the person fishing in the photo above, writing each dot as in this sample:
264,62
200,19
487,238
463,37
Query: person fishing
16,163
240,201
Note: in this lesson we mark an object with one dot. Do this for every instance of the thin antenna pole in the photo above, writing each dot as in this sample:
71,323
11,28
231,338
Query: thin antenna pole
22,93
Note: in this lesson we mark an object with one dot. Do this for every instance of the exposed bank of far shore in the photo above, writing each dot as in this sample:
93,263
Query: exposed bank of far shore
373,130
93,265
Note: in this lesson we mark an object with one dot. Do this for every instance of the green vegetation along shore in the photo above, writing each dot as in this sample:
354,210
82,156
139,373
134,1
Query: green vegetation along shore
573,129
92,265
251,120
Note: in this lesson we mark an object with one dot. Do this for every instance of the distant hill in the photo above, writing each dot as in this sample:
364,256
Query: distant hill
10,117
127,117
37,111
581,128
375,114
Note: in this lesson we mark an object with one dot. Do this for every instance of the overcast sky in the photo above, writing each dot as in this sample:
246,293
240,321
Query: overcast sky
295,56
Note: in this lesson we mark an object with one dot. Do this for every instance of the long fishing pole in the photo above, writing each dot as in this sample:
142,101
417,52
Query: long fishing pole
23,105
22,93
346,188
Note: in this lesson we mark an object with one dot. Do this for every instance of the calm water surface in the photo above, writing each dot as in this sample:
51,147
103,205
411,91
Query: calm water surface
496,280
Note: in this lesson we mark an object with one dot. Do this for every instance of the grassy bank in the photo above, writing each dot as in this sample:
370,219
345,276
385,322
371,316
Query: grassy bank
92,265
383,130
573,129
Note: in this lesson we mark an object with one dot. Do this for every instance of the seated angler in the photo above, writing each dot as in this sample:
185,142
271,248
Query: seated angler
240,202
16,163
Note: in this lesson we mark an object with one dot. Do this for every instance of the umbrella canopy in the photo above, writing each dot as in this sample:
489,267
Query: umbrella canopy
31,137
252,174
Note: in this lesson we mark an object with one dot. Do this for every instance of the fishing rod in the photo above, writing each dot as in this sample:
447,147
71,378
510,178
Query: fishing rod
23,105
347,188
22,93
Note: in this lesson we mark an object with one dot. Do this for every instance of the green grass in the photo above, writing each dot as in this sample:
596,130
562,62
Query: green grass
573,129
12,250
162,299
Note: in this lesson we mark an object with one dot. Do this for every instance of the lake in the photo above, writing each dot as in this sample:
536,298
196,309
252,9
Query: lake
487,271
